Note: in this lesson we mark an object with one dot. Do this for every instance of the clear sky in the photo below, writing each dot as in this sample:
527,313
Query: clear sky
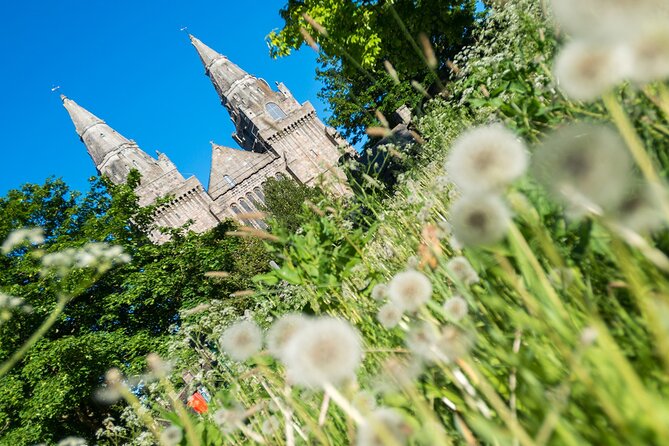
128,63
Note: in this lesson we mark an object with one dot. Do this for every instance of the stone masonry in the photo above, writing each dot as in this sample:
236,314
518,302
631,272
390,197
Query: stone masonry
278,136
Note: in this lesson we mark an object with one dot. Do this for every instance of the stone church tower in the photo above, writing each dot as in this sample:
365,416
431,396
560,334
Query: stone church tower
278,137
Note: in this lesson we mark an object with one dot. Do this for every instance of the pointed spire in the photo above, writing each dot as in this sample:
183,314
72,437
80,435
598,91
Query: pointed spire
99,138
82,118
221,71
207,55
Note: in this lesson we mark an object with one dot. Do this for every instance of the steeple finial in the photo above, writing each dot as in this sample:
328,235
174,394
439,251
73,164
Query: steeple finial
207,55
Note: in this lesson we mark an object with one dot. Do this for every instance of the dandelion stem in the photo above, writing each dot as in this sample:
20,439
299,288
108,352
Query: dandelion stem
343,403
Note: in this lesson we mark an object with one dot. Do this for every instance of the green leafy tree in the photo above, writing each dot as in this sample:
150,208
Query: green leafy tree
357,37
284,200
115,322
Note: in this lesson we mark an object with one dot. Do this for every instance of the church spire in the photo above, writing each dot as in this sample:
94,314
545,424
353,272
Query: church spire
221,71
99,138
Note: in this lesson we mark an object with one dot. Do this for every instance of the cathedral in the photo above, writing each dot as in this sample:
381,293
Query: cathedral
278,137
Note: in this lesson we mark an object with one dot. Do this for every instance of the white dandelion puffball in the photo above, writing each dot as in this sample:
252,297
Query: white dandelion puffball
409,290
241,340
604,18
422,340
650,54
586,70
463,270
282,331
583,162
479,219
640,210
486,158
379,292
456,308
382,426
389,315
326,350
171,436
453,343
270,425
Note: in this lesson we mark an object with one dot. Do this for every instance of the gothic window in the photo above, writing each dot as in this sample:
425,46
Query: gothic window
245,205
229,180
259,193
275,111
279,176
235,209
252,199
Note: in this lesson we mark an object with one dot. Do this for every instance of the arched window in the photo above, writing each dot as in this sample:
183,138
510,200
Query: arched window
275,111
279,176
252,199
260,194
229,180
245,205
235,209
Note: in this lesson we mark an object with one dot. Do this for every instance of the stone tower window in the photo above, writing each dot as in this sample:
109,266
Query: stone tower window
259,193
245,205
229,180
275,111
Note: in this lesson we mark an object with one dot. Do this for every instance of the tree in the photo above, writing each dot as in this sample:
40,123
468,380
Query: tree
284,199
357,37
117,321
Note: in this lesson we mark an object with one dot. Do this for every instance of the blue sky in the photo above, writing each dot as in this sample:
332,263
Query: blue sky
128,63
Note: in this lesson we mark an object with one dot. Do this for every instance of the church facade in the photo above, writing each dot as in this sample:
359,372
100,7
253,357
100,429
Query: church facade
277,136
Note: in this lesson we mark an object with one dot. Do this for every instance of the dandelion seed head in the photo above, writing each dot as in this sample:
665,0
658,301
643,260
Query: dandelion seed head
650,53
486,159
270,425
463,270
364,401
327,350
72,441
421,341
584,163
586,70
456,307
453,343
389,315
479,219
241,340
409,290
171,435
639,211
379,292
228,419
282,331
384,424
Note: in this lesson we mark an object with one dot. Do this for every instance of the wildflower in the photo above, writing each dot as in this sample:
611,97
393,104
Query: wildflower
171,435
379,291
382,426
456,307
463,270
582,163
242,340
33,236
282,331
228,420
328,350
486,159
72,441
586,70
452,343
589,336
270,425
650,54
389,315
409,290
421,340
479,219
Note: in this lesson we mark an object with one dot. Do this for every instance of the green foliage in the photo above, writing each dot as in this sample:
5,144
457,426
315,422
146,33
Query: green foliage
360,36
284,200
125,315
